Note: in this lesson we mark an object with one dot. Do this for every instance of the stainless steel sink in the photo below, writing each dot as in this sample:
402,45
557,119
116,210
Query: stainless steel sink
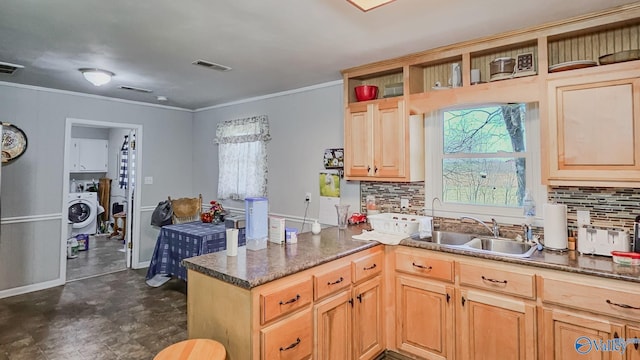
447,238
501,246
483,244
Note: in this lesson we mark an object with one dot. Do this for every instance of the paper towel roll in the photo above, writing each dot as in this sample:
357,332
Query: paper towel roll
555,226
232,242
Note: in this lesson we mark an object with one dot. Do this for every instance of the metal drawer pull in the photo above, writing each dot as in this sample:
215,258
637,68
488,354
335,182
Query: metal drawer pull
370,267
421,266
291,346
494,280
336,282
624,306
291,300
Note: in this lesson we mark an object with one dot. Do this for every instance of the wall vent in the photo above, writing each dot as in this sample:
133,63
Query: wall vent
211,65
133,88
8,68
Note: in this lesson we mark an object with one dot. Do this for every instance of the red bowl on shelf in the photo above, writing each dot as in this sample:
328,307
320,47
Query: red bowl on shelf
366,92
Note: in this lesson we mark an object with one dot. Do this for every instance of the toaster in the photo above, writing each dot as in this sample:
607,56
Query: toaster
602,241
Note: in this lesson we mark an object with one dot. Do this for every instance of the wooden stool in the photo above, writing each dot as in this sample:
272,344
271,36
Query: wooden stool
116,228
193,349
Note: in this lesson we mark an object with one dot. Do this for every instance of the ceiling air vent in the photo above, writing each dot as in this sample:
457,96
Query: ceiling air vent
8,68
212,66
133,88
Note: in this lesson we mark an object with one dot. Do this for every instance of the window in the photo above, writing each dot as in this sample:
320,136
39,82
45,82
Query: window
481,158
242,157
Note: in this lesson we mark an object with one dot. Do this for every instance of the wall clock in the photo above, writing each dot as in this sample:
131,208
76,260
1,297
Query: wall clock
14,142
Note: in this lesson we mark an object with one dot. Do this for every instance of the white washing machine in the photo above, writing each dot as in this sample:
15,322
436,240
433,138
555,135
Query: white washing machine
83,212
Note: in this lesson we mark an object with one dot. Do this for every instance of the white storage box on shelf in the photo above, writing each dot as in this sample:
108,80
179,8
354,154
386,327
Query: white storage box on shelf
392,223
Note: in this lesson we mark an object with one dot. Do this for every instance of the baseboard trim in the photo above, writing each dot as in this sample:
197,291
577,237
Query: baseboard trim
30,288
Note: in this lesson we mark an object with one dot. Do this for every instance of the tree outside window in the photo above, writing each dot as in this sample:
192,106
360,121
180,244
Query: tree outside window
484,155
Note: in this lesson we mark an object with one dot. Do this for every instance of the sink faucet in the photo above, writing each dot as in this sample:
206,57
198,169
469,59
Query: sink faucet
495,229
433,226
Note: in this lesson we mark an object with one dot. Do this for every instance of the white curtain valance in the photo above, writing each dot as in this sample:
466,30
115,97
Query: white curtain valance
250,129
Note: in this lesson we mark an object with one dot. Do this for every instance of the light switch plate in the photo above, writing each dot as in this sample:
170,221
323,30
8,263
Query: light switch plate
148,180
584,218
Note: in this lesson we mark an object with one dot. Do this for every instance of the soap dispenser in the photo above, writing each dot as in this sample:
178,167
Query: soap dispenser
316,228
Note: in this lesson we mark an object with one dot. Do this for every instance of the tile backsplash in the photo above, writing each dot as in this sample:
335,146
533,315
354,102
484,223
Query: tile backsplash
608,207
388,196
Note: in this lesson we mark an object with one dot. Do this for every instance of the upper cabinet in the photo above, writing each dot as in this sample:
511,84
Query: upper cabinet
382,143
583,73
594,127
89,155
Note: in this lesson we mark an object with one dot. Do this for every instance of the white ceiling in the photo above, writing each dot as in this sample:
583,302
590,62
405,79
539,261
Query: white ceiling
272,45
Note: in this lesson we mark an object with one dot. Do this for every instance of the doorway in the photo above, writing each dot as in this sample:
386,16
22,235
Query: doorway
100,201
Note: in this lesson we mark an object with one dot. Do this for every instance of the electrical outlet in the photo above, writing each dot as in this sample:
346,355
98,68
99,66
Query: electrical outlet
404,203
584,217
307,197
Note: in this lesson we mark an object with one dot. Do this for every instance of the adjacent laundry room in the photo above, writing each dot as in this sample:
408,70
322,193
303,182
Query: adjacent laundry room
101,163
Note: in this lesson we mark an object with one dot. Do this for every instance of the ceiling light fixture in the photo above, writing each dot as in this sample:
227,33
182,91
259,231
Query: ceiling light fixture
97,77
366,5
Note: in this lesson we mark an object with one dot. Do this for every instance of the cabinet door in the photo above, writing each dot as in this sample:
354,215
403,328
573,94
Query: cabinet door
594,129
333,327
497,327
424,318
569,336
389,139
358,140
93,155
633,346
367,319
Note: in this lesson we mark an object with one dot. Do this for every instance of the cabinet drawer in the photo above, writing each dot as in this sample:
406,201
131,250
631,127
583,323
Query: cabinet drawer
367,266
498,280
423,265
614,302
332,281
288,339
286,299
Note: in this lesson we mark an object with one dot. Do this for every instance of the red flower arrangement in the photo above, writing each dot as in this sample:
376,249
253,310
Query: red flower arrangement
215,214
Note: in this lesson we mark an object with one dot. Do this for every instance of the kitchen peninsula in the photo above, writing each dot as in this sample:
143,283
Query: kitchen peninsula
329,296
262,304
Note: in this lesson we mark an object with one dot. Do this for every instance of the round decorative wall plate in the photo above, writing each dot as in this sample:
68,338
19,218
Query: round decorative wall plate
14,142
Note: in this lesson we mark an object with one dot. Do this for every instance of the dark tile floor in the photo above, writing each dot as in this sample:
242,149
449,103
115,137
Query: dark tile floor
115,317
104,256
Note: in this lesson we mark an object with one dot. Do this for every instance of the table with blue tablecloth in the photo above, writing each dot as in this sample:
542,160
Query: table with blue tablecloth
181,241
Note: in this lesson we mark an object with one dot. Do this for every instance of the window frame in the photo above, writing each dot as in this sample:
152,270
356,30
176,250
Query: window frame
433,161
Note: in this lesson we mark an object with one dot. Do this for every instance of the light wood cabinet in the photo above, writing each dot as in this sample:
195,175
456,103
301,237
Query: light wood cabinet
633,348
367,319
594,126
496,327
383,143
424,317
589,116
290,339
333,319
349,325
331,311
89,155
572,336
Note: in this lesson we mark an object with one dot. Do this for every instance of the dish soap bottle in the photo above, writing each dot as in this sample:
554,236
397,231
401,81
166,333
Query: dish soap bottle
316,228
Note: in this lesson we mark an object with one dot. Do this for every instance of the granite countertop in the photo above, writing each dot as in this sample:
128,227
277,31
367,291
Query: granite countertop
253,268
